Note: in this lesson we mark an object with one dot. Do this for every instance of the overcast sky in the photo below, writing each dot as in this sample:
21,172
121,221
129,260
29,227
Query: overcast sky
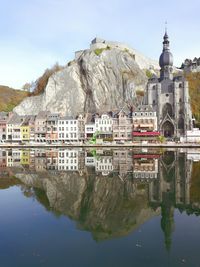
37,33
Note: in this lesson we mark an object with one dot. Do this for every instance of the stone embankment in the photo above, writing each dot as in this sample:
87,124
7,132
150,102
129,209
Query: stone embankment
148,145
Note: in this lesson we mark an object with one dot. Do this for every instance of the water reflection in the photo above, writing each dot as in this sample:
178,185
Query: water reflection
108,192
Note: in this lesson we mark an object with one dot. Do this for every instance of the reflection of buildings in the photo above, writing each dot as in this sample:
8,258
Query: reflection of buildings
68,160
102,161
123,162
40,160
3,159
145,166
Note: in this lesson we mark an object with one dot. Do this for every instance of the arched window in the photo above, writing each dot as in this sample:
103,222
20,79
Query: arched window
167,109
181,123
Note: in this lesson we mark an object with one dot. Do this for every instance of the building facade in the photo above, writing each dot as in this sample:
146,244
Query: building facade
103,125
4,116
169,97
122,126
40,126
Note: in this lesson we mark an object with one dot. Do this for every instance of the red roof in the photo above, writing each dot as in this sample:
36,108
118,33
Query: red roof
146,133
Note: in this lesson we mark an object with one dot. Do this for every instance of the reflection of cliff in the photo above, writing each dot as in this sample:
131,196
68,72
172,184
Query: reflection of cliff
103,205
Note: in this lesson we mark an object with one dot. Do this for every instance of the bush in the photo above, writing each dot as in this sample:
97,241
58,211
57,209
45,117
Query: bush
41,83
149,74
98,51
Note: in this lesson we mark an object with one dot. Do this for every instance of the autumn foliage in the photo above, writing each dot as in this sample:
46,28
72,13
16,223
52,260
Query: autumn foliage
194,91
43,80
9,98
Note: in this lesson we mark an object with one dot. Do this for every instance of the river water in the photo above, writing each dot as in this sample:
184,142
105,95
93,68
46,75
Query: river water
82,208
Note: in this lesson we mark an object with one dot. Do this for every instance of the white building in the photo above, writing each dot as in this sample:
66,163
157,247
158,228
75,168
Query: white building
103,124
90,129
68,129
192,136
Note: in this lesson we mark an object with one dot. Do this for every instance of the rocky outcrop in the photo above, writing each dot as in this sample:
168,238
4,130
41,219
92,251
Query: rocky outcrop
98,79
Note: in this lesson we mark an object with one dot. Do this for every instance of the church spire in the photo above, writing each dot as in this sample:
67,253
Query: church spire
166,59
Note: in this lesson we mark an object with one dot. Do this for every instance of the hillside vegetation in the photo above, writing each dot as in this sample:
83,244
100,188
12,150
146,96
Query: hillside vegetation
194,90
9,98
42,81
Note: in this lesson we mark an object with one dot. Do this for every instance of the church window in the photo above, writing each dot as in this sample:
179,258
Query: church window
180,85
170,87
154,102
167,95
167,109
181,123
180,100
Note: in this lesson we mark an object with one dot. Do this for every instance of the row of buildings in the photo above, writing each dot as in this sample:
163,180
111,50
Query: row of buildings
122,125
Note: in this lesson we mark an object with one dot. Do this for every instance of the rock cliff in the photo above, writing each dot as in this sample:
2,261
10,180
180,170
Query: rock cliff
104,77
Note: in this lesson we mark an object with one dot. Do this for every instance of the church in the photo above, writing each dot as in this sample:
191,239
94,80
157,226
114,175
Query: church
169,97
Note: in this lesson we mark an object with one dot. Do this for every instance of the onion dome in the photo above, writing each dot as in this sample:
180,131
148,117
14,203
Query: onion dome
166,58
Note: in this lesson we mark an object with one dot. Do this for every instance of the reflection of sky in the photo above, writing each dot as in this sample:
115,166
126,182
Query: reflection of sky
35,34
32,236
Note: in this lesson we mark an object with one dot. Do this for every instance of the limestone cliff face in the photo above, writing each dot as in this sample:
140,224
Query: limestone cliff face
97,80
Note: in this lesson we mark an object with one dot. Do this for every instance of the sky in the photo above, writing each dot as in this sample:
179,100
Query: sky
35,34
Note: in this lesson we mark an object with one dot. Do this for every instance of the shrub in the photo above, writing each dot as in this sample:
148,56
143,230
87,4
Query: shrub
98,51
43,80
149,74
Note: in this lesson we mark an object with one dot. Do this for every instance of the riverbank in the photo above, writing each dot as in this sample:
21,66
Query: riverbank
146,145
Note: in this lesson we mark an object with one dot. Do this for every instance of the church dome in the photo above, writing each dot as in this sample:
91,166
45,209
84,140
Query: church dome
166,59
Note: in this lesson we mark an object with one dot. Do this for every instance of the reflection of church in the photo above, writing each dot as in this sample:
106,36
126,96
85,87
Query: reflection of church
171,190
169,97
174,178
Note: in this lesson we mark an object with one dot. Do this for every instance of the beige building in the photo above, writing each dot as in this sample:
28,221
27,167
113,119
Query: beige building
144,119
41,126
122,126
